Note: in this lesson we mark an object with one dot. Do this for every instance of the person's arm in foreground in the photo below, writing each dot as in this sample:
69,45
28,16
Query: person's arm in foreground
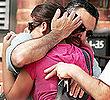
35,49
14,89
96,88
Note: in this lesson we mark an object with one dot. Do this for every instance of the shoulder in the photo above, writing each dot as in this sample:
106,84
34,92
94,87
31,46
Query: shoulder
31,69
21,37
65,52
65,48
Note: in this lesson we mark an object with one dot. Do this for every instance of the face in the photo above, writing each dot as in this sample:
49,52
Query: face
88,21
35,29
37,33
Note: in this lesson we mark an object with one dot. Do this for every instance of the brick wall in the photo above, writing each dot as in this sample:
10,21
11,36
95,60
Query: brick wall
24,9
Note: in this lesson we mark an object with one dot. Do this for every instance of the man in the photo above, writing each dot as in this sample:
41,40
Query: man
99,89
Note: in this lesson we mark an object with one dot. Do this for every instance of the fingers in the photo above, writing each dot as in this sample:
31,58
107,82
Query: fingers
65,15
81,93
77,21
71,16
57,14
7,39
76,90
51,74
26,30
9,36
49,69
72,89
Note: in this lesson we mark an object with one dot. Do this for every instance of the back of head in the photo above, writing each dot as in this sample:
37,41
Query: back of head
91,9
45,12
77,4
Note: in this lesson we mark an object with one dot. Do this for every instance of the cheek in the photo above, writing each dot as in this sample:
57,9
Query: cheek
83,37
36,33
39,34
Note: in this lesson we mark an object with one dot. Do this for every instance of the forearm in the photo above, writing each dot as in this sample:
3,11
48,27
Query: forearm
8,79
35,49
97,89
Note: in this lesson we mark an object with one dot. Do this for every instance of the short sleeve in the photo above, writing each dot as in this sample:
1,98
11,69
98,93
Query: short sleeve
20,38
31,70
105,74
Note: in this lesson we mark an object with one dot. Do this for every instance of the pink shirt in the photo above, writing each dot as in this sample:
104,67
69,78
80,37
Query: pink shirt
47,89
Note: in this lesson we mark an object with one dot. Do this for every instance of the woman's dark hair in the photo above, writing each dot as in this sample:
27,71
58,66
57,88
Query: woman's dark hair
45,12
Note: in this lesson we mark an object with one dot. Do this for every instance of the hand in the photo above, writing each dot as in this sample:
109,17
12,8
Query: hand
66,24
76,90
7,39
26,30
61,70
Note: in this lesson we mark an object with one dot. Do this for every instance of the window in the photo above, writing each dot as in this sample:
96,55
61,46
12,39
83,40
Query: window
4,14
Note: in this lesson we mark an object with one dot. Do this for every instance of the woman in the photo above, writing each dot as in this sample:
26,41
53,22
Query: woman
33,74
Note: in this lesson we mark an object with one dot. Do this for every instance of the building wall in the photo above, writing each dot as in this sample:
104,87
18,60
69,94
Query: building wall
25,8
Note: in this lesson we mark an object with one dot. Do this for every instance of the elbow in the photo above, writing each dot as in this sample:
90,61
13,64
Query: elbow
14,97
18,60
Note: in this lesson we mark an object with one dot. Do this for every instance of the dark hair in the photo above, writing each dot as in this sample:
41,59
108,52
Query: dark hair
45,12
75,4
91,9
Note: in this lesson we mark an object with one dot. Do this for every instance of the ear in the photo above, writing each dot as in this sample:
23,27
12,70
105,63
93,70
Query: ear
44,26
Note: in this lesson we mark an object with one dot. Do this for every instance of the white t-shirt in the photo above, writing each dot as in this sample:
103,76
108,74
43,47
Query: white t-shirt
105,75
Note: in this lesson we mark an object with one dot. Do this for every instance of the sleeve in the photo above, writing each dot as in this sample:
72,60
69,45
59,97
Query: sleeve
31,70
96,69
105,74
20,38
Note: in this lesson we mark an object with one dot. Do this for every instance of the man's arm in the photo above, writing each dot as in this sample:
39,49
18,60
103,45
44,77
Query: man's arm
97,89
35,49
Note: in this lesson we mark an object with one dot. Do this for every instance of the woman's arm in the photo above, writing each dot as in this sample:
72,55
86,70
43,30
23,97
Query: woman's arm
96,88
35,49
21,88
14,89
8,78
